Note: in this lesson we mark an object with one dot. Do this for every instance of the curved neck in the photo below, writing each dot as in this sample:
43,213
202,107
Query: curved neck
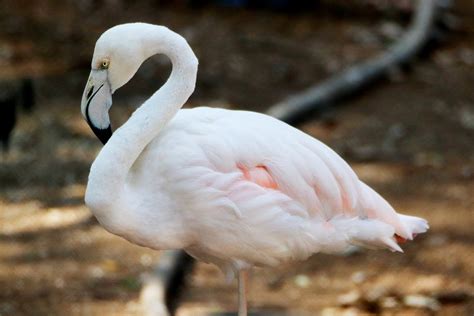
109,170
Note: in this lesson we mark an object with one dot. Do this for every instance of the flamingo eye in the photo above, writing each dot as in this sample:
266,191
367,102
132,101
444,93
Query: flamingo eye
104,64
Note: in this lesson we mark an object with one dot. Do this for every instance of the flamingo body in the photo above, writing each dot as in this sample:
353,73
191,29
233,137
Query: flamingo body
244,189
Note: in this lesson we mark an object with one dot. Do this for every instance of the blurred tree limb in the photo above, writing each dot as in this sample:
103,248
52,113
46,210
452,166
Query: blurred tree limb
359,76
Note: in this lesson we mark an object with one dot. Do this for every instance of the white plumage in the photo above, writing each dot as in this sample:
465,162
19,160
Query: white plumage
233,188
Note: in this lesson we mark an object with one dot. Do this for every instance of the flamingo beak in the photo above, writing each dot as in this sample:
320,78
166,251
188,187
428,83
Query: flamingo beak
95,105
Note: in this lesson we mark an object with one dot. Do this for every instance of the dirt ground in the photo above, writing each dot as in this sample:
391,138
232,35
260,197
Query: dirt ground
411,138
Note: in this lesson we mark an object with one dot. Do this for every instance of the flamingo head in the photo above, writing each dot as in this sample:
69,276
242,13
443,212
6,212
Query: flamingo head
117,56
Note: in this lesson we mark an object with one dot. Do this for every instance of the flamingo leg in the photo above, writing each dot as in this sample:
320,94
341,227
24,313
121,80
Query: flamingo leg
243,277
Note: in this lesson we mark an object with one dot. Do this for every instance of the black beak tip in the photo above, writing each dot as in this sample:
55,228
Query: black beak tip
102,134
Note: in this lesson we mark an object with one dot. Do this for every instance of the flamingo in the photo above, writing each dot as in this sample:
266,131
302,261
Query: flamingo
234,188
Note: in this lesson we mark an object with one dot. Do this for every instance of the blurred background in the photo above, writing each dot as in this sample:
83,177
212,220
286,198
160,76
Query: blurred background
411,137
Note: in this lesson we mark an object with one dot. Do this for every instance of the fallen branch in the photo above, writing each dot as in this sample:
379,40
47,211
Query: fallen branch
355,78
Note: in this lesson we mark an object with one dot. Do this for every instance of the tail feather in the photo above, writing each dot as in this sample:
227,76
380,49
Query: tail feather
368,233
343,232
415,225
377,207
